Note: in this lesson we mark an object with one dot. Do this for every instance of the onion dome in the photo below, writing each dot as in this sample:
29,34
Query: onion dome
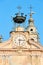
31,20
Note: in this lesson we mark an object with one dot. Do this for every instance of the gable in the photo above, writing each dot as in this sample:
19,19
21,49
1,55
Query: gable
30,45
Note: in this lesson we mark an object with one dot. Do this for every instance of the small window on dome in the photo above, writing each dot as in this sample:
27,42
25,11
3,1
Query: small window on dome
31,29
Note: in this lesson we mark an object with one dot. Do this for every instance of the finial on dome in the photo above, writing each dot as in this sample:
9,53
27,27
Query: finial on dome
19,8
31,12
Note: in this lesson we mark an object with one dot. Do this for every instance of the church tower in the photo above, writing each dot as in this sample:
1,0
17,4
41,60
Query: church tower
31,28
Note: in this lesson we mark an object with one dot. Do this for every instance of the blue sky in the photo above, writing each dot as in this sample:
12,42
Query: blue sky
8,8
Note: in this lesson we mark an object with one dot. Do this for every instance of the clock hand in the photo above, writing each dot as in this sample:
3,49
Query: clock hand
20,40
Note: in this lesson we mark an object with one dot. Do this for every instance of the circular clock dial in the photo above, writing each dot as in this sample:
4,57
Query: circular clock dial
20,39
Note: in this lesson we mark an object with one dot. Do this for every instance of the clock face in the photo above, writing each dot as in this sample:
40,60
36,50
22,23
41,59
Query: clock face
20,39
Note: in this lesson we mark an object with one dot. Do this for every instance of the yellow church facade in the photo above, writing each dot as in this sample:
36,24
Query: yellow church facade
23,47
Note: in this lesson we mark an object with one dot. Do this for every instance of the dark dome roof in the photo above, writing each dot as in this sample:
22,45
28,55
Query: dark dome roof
19,19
